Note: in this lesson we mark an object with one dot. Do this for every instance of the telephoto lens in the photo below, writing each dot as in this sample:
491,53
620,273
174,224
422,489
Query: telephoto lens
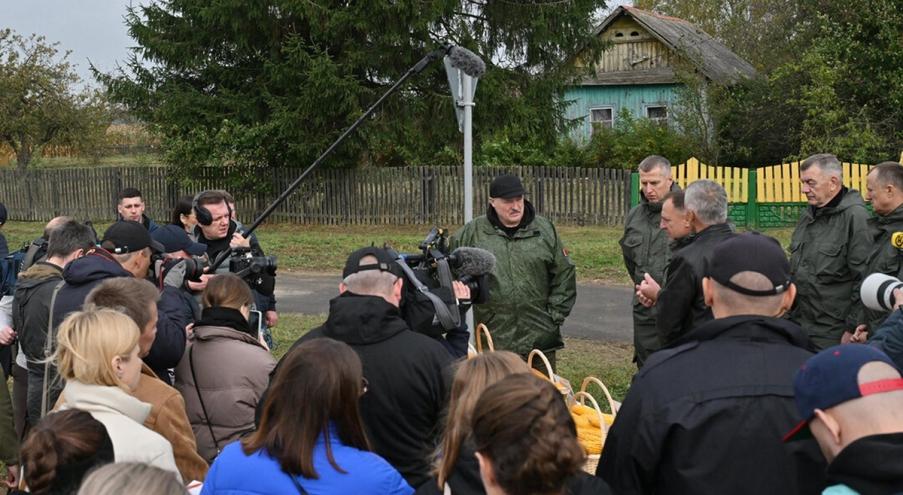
877,291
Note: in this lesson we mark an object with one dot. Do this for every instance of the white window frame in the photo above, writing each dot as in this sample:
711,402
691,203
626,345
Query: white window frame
590,117
658,105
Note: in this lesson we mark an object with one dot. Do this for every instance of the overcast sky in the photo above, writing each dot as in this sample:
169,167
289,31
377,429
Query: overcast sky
91,29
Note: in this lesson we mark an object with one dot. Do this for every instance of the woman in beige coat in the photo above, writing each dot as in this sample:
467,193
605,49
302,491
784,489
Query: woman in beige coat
225,368
97,356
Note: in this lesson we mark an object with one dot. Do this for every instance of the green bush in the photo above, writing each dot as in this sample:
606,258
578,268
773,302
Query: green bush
632,139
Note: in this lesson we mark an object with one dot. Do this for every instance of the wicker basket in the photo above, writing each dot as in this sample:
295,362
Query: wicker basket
592,460
560,383
478,334
612,403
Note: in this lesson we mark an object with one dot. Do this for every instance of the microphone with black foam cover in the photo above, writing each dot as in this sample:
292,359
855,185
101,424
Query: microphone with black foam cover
472,261
466,60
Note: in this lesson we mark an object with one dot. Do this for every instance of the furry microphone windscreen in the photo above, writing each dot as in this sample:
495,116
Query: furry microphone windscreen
473,261
466,60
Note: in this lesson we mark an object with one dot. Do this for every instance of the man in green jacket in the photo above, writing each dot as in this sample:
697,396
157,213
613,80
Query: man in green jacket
884,190
829,251
645,248
533,285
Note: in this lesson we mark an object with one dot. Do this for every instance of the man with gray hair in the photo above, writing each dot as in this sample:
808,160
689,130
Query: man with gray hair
829,253
645,248
681,305
407,373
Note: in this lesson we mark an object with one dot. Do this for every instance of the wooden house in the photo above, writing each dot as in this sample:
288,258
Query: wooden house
637,70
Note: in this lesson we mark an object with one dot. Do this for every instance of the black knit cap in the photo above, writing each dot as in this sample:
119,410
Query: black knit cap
385,262
506,186
750,252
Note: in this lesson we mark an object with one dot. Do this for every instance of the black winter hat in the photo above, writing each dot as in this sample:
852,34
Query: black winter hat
506,186
750,252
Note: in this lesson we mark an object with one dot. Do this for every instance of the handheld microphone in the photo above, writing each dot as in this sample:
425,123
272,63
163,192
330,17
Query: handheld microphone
896,240
466,60
472,261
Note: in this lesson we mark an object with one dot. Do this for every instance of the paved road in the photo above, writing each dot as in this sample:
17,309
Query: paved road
602,312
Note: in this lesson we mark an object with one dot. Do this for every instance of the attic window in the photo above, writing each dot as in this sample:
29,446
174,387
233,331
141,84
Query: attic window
619,34
634,34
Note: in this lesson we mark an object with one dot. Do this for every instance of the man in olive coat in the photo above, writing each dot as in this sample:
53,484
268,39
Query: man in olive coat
645,248
533,285
829,253
884,190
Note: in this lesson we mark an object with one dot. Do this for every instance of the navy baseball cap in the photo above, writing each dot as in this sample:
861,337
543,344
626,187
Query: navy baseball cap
750,252
174,238
831,378
127,237
385,262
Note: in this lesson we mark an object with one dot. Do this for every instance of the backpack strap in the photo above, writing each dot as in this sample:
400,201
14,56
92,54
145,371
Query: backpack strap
48,349
197,388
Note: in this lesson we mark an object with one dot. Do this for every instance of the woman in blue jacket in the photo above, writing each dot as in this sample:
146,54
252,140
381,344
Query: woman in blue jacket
311,439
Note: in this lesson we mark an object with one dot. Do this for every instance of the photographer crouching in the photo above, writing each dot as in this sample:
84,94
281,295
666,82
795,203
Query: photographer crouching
240,255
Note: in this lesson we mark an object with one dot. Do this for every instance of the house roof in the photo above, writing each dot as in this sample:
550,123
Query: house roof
716,61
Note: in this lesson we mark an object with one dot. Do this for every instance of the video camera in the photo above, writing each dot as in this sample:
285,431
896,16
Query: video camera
176,271
428,301
258,271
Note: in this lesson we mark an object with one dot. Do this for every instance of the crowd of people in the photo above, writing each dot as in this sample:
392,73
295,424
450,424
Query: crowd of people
142,371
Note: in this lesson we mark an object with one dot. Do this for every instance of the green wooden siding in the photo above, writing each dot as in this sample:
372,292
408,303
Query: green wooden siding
635,98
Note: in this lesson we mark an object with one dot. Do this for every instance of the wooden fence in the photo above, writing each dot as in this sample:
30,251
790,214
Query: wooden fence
761,197
407,195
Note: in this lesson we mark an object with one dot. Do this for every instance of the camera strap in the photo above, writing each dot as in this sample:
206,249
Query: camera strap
447,318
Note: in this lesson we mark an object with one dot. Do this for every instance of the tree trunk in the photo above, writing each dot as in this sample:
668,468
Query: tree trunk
23,158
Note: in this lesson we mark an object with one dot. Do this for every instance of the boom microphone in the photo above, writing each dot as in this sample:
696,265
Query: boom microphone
466,60
472,261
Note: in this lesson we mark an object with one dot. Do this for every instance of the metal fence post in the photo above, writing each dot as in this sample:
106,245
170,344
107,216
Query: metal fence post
752,205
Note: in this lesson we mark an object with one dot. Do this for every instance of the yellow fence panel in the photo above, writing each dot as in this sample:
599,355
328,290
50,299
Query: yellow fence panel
733,179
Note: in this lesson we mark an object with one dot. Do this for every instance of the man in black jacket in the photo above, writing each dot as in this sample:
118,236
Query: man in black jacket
708,413
407,373
680,305
31,304
125,251
851,400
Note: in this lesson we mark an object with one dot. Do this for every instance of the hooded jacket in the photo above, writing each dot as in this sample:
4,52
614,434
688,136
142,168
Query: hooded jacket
533,285
408,378
868,466
230,393
122,415
31,307
149,224
884,257
173,313
829,252
681,305
717,427
646,250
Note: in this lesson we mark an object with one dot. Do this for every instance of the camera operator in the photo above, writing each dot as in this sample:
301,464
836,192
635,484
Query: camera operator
220,232
182,265
884,190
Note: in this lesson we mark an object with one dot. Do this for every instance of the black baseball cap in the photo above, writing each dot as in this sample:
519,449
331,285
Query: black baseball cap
385,262
506,186
174,238
750,252
127,237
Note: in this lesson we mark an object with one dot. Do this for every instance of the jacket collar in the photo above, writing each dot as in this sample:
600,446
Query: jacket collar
356,319
656,208
713,230
749,327
870,464
224,318
844,199
889,222
525,229
105,399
